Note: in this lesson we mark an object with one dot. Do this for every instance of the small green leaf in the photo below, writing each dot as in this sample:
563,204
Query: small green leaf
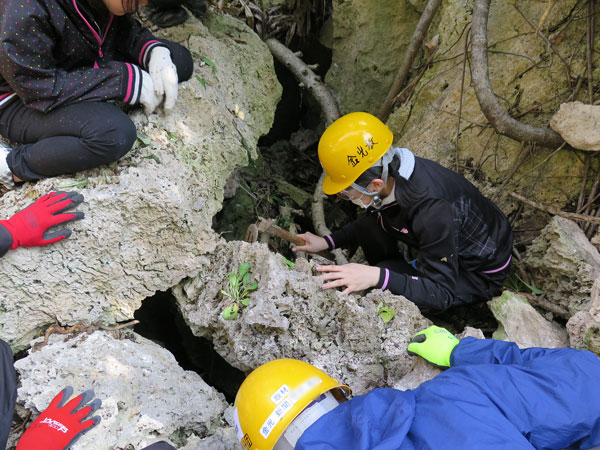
253,286
385,313
209,63
288,263
226,293
231,312
143,138
202,82
245,301
79,184
246,279
153,156
244,268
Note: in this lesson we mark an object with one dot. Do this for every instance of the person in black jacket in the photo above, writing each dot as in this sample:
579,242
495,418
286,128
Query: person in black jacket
459,242
168,13
62,64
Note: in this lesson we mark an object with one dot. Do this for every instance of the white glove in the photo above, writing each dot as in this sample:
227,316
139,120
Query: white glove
164,75
148,97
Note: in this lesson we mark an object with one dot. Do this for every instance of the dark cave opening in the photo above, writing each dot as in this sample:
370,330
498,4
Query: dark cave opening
162,322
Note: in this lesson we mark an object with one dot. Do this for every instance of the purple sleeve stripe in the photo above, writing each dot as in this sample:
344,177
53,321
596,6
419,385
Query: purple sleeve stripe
147,47
329,238
501,268
386,279
129,82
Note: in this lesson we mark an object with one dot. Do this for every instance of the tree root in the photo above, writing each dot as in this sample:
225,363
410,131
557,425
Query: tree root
330,111
493,111
416,41
308,79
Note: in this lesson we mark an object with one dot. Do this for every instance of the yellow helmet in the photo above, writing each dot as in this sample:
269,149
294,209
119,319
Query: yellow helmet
349,146
272,396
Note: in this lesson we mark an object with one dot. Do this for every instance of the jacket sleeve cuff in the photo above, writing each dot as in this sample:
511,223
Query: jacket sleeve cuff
6,240
133,84
144,58
384,279
330,242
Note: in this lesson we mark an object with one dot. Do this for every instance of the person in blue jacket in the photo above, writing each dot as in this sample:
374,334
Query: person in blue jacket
63,63
493,396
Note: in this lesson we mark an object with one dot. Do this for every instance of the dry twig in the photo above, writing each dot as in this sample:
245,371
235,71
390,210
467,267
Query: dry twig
589,50
556,211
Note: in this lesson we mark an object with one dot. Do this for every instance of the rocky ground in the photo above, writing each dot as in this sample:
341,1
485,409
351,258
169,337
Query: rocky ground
66,309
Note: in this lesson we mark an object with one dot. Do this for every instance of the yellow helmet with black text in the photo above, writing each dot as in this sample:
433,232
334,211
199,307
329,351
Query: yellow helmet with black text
349,146
274,395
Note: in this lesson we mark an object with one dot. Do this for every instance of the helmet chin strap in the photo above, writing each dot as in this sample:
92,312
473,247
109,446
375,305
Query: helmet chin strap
384,161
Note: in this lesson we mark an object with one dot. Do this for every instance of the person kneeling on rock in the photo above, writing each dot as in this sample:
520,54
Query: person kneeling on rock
493,396
459,242
62,63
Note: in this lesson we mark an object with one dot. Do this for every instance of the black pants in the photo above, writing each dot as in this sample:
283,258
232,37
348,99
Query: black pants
75,137
381,250
8,391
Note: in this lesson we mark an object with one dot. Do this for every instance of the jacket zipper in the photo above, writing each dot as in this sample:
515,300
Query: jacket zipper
381,221
99,38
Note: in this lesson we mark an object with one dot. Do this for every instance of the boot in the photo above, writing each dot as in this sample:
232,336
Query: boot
6,178
196,7
166,17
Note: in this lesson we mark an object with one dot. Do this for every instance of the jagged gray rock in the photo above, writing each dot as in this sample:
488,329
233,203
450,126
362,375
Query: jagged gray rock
584,327
149,216
522,324
564,264
146,397
290,316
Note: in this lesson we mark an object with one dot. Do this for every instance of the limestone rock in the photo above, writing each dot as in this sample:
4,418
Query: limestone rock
368,46
584,327
223,439
290,316
564,264
149,216
578,124
146,397
427,122
522,324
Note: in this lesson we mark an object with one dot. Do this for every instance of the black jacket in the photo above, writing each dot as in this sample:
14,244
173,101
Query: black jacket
452,226
59,52
8,391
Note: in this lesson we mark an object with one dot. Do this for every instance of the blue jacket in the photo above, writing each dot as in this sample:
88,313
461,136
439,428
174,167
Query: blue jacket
495,396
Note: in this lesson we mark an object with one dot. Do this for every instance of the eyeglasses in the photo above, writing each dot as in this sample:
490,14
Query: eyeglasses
345,194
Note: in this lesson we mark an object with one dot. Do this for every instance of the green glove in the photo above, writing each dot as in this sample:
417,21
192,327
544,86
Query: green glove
434,344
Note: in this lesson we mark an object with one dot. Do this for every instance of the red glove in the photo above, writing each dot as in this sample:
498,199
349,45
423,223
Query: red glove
28,227
59,425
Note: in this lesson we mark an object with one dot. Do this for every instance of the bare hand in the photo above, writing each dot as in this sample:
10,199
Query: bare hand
356,277
312,243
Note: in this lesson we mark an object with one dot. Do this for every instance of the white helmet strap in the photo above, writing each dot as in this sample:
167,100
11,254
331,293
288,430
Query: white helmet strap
384,161
321,406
